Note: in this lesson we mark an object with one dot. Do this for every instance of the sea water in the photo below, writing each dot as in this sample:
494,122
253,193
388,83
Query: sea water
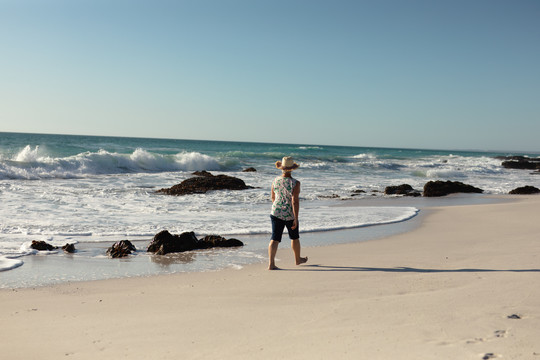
96,190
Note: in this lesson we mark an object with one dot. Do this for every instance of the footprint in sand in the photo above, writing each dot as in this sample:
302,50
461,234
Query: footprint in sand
476,340
496,334
514,316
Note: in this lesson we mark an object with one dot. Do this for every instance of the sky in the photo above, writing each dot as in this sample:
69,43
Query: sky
460,74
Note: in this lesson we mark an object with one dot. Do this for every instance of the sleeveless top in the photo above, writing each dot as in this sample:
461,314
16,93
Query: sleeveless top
282,206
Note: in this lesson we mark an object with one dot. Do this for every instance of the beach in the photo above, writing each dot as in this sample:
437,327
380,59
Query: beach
91,191
462,285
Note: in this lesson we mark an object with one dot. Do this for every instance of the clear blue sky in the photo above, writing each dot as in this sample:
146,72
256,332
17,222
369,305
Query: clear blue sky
460,74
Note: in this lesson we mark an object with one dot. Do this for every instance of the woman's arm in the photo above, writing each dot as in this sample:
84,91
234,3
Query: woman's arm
273,195
296,203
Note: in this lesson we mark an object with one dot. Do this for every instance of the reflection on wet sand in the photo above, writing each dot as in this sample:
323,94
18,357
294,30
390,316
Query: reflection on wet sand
174,258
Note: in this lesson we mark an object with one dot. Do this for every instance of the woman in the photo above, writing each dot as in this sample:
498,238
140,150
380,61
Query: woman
285,207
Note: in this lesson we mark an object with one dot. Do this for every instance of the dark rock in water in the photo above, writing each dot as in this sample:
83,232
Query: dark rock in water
404,189
249,169
442,188
120,249
521,164
525,190
202,173
398,190
202,184
69,248
518,158
357,192
333,196
42,246
211,241
164,242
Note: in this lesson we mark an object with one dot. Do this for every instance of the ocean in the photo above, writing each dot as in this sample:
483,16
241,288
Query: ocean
92,191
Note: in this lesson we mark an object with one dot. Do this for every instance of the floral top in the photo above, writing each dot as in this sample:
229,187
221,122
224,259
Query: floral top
282,206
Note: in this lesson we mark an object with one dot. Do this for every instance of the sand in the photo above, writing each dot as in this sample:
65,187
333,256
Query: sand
442,291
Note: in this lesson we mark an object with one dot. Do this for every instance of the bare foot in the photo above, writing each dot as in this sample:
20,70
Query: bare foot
273,268
302,260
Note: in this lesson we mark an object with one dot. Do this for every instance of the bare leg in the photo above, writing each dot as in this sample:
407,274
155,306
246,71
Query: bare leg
295,244
272,250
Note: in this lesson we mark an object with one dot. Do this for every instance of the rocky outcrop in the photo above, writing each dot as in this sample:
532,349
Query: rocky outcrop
42,246
69,248
519,162
525,190
164,242
121,249
331,196
249,169
203,183
443,188
202,173
211,241
357,192
404,189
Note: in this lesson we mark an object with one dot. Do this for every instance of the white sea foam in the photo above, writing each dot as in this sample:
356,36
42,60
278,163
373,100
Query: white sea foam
32,163
29,154
9,264
111,208
364,157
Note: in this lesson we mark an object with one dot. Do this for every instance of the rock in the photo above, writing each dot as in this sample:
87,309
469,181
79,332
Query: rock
518,158
69,248
525,190
404,189
164,242
202,173
514,316
333,196
521,164
42,245
398,190
211,241
202,184
249,169
357,192
442,188
120,249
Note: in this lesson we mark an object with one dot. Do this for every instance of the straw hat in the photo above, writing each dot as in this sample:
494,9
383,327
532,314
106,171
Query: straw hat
287,164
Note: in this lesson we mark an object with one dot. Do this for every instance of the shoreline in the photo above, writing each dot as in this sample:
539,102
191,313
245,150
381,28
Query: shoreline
90,262
445,290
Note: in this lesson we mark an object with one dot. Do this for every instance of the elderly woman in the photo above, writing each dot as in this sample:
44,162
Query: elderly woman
285,207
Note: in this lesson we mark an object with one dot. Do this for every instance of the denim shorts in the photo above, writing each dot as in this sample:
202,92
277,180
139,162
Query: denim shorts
277,229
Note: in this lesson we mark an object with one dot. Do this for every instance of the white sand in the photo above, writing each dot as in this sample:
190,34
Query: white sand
442,291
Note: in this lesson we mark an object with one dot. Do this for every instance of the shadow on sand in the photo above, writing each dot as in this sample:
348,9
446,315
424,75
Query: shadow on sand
312,267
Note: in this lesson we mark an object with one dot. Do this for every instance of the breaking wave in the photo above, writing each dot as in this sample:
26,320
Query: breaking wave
34,163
